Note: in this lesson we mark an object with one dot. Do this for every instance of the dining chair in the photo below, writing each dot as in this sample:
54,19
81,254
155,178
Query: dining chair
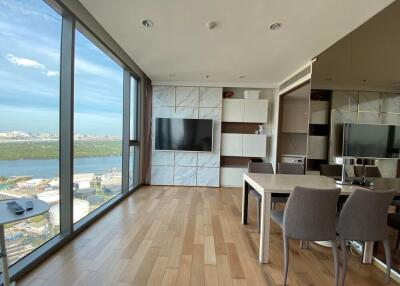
393,221
310,214
370,171
331,170
290,168
364,218
259,167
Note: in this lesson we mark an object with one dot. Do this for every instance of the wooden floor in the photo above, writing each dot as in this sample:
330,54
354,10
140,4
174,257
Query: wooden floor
186,236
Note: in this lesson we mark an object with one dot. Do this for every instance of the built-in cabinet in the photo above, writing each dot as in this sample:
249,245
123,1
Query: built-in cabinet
318,130
304,131
319,112
295,114
232,176
243,145
241,118
245,110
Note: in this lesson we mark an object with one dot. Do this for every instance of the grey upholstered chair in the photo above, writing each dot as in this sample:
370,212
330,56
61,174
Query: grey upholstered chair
259,167
370,171
310,214
331,170
290,168
393,221
364,218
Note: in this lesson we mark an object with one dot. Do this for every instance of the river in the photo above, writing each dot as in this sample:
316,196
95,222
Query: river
46,169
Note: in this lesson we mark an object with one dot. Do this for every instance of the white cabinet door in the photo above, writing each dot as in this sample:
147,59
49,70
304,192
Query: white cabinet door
231,144
254,145
232,177
232,110
255,110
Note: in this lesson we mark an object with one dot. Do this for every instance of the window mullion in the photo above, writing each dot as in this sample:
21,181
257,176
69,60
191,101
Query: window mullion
126,131
66,123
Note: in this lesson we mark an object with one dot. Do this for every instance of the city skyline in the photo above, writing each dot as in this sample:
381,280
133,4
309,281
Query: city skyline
29,78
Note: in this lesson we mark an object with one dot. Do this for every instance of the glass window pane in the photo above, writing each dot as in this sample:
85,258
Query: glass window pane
98,103
133,175
30,36
133,109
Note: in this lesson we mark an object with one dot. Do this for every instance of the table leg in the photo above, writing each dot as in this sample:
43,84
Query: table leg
3,255
368,252
265,226
245,201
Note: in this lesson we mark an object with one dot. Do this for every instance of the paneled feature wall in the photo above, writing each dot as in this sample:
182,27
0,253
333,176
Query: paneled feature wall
363,107
187,168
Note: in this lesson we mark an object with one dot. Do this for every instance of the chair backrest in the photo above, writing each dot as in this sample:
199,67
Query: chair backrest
364,215
310,214
290,168
331,170
370,171
258,167
358,170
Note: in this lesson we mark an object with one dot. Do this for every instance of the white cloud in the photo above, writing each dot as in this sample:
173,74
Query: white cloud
24,62
89,67
52,73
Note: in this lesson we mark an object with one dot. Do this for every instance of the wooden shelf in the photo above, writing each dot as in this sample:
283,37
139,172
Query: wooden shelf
239,127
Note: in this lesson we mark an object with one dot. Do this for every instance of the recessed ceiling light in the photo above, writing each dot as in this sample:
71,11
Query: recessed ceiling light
275,26
211,25
242,76
148,23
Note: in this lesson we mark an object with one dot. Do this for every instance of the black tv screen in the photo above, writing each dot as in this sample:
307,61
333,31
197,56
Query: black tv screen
371,140
183,134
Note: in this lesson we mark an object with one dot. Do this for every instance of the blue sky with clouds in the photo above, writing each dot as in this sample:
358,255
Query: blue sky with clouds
30,35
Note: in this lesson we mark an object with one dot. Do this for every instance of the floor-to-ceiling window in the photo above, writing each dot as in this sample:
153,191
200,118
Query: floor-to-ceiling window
39,84
30,35
98,121
133,149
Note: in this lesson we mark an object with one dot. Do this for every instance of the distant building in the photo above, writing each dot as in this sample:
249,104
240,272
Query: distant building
55,183
30,184
50,197
112,178
81,209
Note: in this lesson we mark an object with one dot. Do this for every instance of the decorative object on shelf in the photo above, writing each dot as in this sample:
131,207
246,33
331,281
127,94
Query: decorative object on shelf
228,94
261,129
251,94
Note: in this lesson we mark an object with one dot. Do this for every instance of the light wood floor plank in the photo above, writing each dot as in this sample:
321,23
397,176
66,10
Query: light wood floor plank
187,236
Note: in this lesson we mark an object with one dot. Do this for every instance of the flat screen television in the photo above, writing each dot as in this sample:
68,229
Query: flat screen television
176,134
371,140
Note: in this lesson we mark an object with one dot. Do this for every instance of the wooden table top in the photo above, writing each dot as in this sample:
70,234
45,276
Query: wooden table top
284,184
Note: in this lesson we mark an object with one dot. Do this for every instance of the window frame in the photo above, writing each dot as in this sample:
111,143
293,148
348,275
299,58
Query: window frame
69,230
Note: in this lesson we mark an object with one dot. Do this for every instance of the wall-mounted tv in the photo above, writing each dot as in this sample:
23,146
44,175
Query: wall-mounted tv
177,134
371,140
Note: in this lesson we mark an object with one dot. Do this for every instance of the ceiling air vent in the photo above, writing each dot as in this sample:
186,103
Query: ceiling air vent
299,77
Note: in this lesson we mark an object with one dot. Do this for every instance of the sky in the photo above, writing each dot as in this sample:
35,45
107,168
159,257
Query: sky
30,40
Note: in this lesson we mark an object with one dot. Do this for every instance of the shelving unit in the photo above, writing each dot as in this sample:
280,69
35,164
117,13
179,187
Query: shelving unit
239,143
294,125
318,130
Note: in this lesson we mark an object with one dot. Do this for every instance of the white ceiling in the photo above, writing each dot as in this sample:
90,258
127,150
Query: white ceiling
367,59
242,44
